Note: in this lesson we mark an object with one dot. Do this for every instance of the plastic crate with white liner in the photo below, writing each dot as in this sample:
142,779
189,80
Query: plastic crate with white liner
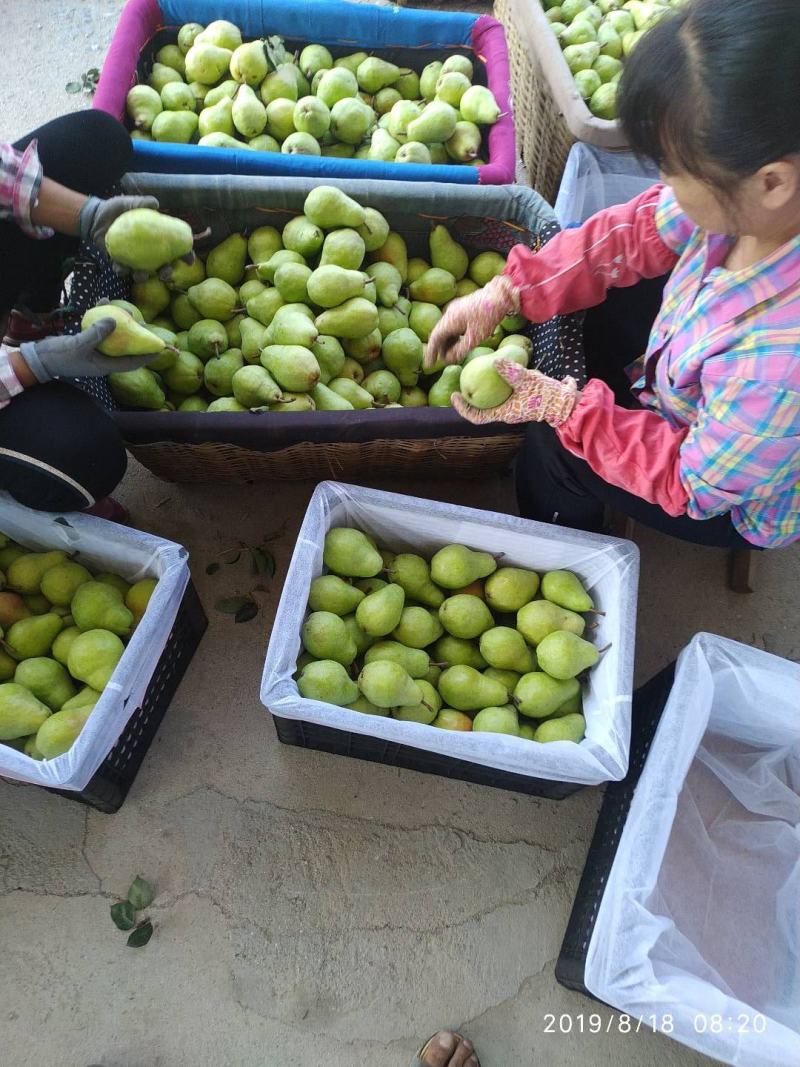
608,566
101,546
691,922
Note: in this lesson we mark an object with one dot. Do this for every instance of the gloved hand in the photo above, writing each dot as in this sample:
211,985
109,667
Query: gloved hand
536,398
76,355
470,320
97,215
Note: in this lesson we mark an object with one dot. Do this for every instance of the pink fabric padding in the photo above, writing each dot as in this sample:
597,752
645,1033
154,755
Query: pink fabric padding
489,43
140,19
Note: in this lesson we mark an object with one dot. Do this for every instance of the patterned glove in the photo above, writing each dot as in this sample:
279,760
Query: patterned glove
470,320
536,398
75,356
97,215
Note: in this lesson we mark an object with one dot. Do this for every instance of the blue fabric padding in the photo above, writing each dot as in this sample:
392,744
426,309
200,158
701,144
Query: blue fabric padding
194,159
329,21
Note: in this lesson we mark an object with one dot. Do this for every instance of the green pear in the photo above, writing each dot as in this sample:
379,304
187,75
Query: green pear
261,310
291,282
366,349
352,392
567,728
132,310
219,371
383,386
267,269
301,144
503,720
312,116
327,680
565,589
143,104
33,636
233,329
326,399
187,35
58,733
455,567
441,392
207,338
447,254
337,84
481,385
152,297
128,337
161,75
413,152
21,714
478,105
485,266
379,613
464,144
383,147
428,79
262,243
564,655
175,127
538,695
221,33
303,236
350,554
416,268
325,636
571,706
38,604
352,369
252,287
291,327
218,118
413,397
607,67
391,319
60,583
418,627
47,680
330,356
330,208
224,91
183,314
146,240
62,644
402,352
387,282
438,154
385,99
25,573
375,74
97,605
451,86
192,403
540,617
227,260
423,317
356,317
280,118
280,84
313,58
435,286
116,581
387,685
393,251
222,140
351,120
249,63
85,698
331,593
226,404
424,712
254,387
362,640
206,63
510,679
329,285
213,299
343,248
374,230
408,85
466,689
137,389
292,366
466,616
459,63
436,123
413,660
505,648
510,588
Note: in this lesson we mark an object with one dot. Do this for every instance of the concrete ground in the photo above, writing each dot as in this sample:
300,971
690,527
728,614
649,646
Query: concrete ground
312,911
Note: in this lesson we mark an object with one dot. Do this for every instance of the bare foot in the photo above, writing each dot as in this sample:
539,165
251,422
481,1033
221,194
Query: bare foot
448,1049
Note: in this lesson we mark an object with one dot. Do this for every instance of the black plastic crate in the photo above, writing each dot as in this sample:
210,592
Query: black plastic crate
377,750
648,704
108,788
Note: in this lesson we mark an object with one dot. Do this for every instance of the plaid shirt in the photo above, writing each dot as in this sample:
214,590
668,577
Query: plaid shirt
724,361
20,179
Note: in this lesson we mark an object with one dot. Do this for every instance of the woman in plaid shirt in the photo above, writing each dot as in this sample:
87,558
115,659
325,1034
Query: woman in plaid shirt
709,450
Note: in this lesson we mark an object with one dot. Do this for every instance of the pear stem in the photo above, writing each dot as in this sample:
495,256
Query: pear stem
200,236
605,648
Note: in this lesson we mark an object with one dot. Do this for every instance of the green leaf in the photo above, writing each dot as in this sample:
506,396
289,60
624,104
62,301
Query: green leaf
141,893
123,915
93,73
141,935
73,87
212,568
232,604
247,612
262,562
276,52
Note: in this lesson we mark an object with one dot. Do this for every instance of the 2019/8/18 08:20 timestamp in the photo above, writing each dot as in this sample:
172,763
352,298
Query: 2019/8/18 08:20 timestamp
594,1023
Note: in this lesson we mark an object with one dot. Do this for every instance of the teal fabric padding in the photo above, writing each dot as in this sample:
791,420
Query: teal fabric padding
363,25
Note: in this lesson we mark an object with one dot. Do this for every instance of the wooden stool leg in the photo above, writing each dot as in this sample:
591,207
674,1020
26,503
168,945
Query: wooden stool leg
739,560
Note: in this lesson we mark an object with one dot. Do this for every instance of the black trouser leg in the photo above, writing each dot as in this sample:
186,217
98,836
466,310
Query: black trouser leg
59,449
87,152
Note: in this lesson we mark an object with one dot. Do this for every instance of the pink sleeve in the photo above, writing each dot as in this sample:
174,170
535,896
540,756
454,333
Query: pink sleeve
615,248
635,450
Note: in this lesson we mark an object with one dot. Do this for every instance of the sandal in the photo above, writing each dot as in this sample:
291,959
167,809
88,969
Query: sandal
454,1051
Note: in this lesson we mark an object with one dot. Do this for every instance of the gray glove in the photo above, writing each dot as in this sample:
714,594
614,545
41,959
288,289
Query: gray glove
97,215
75,356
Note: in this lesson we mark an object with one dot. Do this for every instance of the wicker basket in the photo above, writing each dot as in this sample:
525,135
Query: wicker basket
550,114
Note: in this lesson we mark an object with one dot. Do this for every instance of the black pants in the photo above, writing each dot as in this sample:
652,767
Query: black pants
555,486
59,449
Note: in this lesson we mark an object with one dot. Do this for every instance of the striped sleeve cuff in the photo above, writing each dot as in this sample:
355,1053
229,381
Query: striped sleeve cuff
25,192
10,384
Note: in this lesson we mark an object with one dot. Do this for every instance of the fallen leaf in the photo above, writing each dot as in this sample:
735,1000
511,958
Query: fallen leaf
141,935
123,915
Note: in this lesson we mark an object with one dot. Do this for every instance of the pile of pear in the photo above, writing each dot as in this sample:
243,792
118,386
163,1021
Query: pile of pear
63,630
213,89
455,642
329,313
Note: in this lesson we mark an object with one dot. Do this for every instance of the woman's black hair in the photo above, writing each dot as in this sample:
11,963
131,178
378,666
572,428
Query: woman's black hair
714,89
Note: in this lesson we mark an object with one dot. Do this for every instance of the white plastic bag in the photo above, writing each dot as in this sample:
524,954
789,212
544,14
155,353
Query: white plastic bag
609,566
101,546
699,923
595,179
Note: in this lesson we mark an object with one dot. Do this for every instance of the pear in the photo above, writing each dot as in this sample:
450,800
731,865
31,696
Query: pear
402,353
352,369
222,140
539,618
264,143
12,609
371,585
356,317
187,35
325,636
128,337
459,63
99,606
326,399
366,349
21,714
436,123
207,63
413,397
62,644
303,236
33,636
267,269
280,84
374,230
175,96
362,640
387,685
387,282
330,357
219,371
226,403
435,286
25,573
447,254
441,392
423,317
568,728
478,105
565,589
393,251
385,99
248,114
429,78
379,613
59,732
330,285
537,695
193,403
290,327
402,113
407,85
327,680
207,338
146,240
291,282
138,597
413,152
262,243
85,698
249,63
161,75
416,268
213,298
227,260
313,58
391,319
413,660
451,86
292,366
280,118
510,588
424,712
606,67
152,297
465,689
351,392
301,144
254,387
218,118
233,330
221,33
564,655
343,248
350,554
331,593
455,566
485,266
37,603
501,720
375,74
509,679
505,649
337,84
224,91
137,389
481,385
116,581
448,719
351,120
47,680
383,386
383,147
339,150
465,142
143,104
418,627
465,616
312,116
60,583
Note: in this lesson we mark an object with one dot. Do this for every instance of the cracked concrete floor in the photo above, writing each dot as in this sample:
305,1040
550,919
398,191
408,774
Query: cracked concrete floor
312,911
